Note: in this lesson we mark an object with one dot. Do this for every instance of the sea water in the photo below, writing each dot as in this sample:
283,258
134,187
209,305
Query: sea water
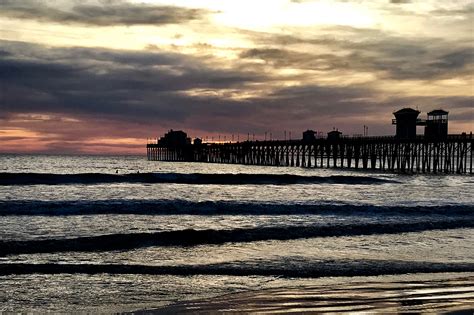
119,233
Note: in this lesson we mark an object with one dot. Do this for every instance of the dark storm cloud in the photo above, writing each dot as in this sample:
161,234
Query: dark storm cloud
105,14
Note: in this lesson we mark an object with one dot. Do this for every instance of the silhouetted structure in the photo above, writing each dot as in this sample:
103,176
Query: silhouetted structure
453,154
334,135
436,126
197,141
436,152
309,135
406,121
176,138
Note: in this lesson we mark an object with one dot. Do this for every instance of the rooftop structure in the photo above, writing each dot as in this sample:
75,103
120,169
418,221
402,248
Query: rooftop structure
436,152
309,135
436,126
174,138
406,120
334,135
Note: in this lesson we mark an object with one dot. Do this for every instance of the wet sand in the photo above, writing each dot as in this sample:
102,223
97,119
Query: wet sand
446,294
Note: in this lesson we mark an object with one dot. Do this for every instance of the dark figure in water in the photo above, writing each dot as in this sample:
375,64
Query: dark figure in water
116,172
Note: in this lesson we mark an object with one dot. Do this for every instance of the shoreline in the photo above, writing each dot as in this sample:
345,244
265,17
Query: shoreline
425,293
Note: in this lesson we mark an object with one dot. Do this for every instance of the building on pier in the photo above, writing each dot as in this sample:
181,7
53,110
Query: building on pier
334,135
174,138
436,152
406,120
309,135
436,126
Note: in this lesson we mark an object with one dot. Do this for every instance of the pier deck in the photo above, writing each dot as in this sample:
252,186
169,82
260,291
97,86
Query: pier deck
454,154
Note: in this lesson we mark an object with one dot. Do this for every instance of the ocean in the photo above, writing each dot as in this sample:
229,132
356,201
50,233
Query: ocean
123,234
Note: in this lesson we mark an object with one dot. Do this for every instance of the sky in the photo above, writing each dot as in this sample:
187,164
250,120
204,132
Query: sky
100,76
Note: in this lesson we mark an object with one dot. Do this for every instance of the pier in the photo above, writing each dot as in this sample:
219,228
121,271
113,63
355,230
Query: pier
434,152
451,155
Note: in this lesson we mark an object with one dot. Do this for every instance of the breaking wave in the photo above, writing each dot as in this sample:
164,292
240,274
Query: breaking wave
293,269
192,237
177,178
176,207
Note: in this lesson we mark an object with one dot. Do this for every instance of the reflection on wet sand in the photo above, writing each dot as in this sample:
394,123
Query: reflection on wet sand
439,295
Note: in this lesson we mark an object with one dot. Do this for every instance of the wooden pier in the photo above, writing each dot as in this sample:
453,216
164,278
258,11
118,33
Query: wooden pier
451,155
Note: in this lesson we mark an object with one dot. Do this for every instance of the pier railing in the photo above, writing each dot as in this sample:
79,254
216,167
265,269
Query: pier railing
453,154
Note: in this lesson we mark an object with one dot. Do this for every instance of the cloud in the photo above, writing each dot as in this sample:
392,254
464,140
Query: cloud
120,85
149,86
400,1
284,58
385,55
75,95
467,11
458,59
105,14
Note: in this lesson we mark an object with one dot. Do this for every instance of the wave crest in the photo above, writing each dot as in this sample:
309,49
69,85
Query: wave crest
177,206
191,237
305,269
9,179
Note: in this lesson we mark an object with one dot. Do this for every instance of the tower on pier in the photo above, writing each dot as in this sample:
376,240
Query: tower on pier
437,124
406,120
